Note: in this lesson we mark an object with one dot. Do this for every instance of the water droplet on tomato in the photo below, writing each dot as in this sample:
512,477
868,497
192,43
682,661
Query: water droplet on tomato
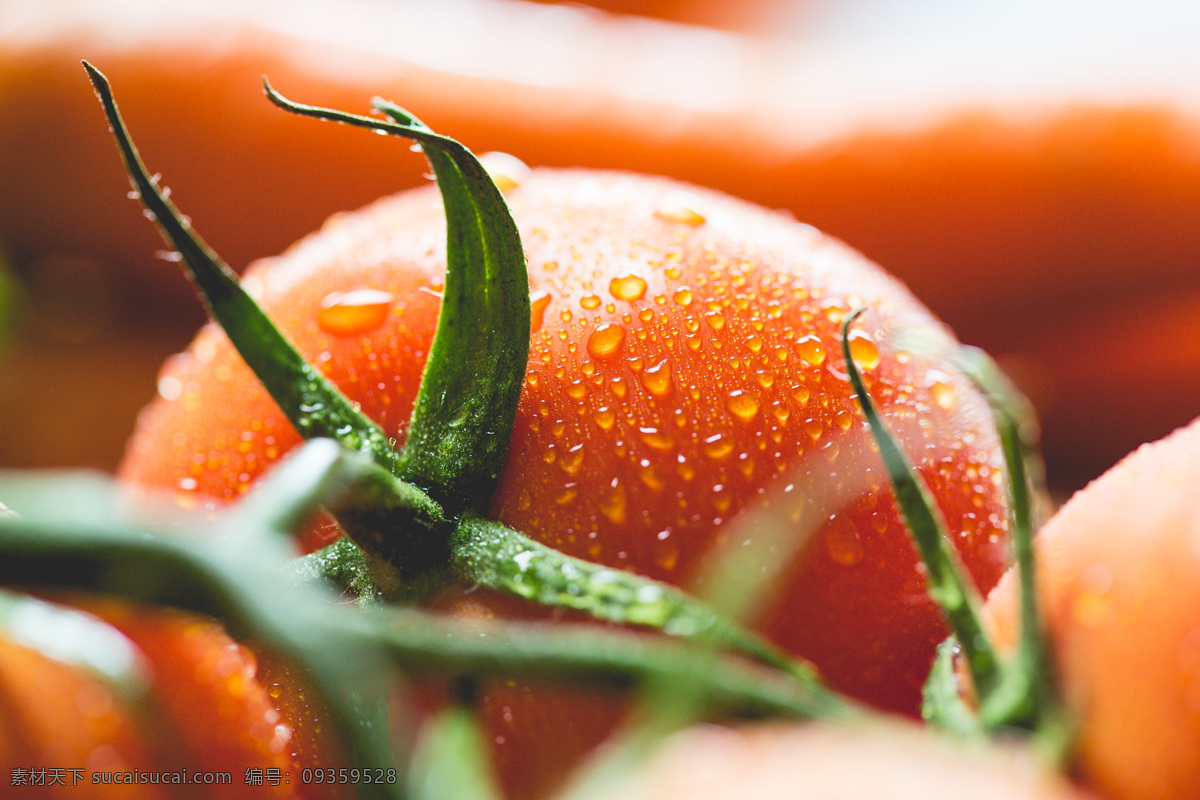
354,312
606,340
507,171
680,208
590,301
715,320
811,350
612,503
755,343
657,379
537,309
604,417
572,460
627,287
683,296
844,419
718,446
656,439
814,428
942,389
842,544
744,405
577,390
863,349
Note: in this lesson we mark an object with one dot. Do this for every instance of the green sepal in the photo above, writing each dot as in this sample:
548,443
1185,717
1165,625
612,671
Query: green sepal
458,436
313,405
948,584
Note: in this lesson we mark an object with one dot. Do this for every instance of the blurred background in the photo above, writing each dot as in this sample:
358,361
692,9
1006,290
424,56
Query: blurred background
1030,169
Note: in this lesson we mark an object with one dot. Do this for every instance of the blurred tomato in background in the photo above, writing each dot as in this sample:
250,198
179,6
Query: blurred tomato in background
1030,169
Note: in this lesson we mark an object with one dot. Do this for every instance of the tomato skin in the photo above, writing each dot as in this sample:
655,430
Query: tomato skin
819,762
1119,572
684,367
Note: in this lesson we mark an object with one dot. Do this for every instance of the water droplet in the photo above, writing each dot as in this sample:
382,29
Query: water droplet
577,390
169,387
506,171
782,412
606,340
942,388
681,208
572,460
800,394
814,428
718,446
656,439
605,417
744,405
627,287
650,476
842,544
657,379
619,388
538,302
590,301
354,312
844,419
715,320
683,296
755,343
863,349
568,494
612,504
811,350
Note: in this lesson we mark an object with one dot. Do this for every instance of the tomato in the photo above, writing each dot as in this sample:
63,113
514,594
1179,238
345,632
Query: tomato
1119,567
212,710
684,369
820,762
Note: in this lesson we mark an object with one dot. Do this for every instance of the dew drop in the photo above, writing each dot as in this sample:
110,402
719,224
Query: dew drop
715,320
755,343
683,296
680,208
863,349
538,301
354,312
590,301
606,340
811,350
942,389
627,287
744,405
605,418
506,171
572,460
844,419
612,504
814,428
718,447
619,388
842,544
657,379
656,439
577,390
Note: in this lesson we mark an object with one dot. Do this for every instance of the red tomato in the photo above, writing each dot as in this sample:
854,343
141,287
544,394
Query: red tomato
684,368
1119,567
213,711
817,762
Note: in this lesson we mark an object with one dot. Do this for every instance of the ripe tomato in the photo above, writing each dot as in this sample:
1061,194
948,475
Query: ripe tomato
219,713
1119,567
684,368
819,762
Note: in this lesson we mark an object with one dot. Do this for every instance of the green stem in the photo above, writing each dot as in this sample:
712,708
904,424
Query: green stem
947,582
491,554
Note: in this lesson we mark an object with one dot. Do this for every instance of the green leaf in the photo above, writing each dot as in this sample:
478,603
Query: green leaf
460,429
943,705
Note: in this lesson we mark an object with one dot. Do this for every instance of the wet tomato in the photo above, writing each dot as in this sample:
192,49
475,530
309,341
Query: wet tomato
1119,567
212,712
684,371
